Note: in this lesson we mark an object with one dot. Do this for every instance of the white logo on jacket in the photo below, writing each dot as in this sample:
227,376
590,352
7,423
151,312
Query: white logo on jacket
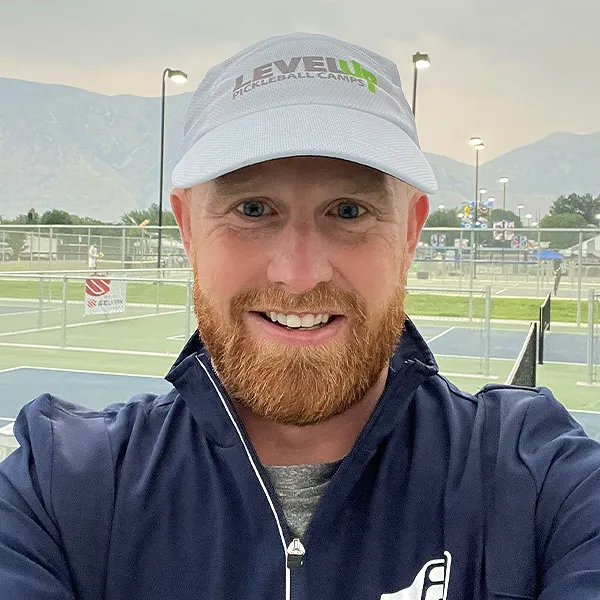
430,584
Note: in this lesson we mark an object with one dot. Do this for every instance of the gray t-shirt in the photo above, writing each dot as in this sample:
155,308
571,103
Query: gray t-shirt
299,489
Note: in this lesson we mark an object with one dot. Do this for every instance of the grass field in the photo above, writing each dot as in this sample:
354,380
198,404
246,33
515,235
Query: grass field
417,302
146,338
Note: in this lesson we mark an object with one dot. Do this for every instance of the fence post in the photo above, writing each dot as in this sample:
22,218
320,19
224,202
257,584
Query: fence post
4,249
89,243
472,263
539,263
157,284
487,330
123,249
41,304
579,278
50,249
188,309
460,261
591,350
63,337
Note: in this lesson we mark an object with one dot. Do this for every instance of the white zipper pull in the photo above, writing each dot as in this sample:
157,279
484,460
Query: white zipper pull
295,554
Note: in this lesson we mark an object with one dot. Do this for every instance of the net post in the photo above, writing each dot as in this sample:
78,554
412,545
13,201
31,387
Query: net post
63,328
487,329
591,350
541,336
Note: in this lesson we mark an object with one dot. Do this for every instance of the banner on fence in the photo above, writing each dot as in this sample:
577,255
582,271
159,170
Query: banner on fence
104,296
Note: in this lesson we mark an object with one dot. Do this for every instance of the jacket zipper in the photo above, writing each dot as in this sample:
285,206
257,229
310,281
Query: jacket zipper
294,553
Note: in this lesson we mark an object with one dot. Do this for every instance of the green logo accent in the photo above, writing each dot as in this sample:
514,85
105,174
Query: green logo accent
360,73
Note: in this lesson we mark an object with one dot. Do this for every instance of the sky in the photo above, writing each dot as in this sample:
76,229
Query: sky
511,72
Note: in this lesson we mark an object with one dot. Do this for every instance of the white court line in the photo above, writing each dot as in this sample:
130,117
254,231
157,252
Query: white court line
501,291
55,327
25,312
10,369
80,349
84,371
437,337
177,338
587,412
546,362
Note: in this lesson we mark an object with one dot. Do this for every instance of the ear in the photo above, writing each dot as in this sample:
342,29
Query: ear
418,209
181,205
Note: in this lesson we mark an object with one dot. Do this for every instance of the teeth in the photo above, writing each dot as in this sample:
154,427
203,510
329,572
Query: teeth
294,321
308,321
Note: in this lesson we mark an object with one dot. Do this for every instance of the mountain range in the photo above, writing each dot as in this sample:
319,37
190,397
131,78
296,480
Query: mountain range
98,156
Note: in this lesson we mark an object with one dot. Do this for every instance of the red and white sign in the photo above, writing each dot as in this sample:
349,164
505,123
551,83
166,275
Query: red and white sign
104,296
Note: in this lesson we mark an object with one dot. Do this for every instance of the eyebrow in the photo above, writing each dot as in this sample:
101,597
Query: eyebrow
363,184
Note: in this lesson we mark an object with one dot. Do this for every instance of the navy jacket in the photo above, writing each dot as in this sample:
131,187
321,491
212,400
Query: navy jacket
445,496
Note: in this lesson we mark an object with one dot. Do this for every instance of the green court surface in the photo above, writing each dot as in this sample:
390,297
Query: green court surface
42,324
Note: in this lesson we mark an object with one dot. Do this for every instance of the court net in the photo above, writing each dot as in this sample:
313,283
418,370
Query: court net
524,371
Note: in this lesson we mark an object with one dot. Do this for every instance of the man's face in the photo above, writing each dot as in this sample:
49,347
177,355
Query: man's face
299,280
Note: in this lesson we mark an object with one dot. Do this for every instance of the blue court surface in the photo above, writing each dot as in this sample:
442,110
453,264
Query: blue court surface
97,390
504,343
92,390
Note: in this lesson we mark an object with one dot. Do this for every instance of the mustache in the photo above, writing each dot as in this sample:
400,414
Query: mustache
323,298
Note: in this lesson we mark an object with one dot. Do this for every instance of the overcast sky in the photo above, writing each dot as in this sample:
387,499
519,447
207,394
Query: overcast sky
511,72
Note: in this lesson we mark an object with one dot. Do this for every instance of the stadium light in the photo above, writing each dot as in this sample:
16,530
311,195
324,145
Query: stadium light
179,78
420,61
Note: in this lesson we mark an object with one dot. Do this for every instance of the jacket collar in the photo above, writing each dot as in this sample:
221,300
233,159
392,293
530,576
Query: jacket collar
194,378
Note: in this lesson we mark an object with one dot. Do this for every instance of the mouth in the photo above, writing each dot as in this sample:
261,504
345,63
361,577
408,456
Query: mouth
298,321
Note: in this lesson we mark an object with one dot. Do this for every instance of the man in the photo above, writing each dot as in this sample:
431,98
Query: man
309,449
93,257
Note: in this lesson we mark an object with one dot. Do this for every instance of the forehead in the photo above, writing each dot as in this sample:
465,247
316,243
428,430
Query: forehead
308,172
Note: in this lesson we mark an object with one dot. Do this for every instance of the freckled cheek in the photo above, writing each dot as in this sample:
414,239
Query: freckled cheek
373,272
225,266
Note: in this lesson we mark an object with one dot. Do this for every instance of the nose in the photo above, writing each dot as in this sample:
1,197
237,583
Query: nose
300,259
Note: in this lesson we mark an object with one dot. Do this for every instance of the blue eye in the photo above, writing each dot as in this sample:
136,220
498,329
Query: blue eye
349,210
253,208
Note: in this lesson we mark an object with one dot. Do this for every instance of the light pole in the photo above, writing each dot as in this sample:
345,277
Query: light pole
504,181
519,207
420,61
528,217
179,78
441,206
478,145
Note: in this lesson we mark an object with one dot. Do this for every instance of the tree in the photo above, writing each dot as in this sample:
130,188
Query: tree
32,216
586,206
561,240
56,217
